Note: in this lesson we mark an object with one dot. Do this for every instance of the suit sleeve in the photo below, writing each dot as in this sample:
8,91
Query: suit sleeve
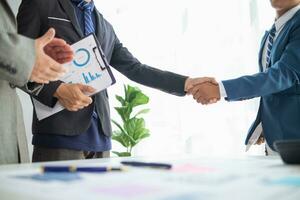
29,24
284,74
123,61
17,56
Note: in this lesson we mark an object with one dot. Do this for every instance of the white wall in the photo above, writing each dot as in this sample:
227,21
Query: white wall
197,38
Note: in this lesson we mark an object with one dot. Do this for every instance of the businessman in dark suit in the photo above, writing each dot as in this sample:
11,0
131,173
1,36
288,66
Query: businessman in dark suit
83,130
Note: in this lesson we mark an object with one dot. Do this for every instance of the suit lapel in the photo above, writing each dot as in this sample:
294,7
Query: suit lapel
68,7
10,10
262,45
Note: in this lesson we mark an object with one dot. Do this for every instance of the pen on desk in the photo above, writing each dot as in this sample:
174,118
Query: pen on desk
80,169
147,164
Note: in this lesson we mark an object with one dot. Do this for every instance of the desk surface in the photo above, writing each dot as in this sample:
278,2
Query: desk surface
244,178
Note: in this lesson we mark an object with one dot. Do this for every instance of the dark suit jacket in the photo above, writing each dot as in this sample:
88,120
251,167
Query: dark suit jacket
37,16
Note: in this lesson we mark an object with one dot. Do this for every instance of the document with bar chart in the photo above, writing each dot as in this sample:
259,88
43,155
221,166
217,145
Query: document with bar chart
89,67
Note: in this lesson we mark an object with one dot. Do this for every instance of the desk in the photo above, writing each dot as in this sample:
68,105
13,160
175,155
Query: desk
242,178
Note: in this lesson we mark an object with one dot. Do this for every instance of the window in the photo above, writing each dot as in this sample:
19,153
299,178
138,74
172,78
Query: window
196,38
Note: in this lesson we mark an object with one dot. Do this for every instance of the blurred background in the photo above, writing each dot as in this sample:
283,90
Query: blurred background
195,38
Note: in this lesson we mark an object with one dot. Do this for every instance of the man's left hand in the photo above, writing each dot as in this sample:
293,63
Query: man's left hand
59,51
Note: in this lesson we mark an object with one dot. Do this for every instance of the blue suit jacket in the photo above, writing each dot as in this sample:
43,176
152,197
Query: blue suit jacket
278,87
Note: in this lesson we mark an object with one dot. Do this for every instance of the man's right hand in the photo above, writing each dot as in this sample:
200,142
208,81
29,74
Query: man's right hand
206,93
73,96
46,68
260,140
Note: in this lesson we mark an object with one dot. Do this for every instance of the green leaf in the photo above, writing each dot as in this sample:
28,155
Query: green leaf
135,97
121,100
139,99
125,90
121,138
144,111
124,112
144,135
122,154
131,92
135,128
118,125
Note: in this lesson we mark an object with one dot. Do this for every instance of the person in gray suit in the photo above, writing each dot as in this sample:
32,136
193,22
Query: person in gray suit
23,60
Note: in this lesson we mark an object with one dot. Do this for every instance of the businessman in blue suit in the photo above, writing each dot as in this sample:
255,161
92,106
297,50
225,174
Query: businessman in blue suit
277,83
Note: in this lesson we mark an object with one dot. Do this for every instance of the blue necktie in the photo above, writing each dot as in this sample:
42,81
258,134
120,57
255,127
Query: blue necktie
270,41
87,8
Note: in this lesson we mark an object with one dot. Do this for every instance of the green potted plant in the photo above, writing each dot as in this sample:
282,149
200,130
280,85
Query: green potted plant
133,129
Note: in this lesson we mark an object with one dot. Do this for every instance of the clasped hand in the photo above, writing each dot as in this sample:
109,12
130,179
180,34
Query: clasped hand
74,97
205,90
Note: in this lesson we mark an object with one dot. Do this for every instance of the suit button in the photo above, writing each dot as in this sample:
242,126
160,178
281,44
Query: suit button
12,86
13,70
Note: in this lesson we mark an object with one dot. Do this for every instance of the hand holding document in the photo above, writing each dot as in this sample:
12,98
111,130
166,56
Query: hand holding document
89,67
73,96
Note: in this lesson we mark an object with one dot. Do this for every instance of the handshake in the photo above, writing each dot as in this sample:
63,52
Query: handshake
205,90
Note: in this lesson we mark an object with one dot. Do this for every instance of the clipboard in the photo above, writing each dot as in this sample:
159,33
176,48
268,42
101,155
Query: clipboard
89,67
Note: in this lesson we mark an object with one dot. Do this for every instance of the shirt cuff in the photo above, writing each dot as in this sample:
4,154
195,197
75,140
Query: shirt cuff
34,88
222,90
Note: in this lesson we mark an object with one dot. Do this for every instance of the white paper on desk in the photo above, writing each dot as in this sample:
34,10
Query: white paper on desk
89,67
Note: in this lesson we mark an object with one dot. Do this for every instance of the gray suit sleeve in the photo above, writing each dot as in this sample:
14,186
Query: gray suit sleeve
17,56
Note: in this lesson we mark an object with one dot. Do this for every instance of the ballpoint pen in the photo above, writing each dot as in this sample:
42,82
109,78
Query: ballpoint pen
147,164
80,169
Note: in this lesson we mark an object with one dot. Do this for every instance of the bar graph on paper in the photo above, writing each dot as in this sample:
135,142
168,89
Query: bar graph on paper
88,67
88,77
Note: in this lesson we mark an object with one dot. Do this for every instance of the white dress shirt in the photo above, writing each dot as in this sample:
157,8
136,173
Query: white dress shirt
279,24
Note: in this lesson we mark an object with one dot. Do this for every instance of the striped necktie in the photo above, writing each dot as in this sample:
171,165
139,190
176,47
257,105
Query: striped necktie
271,37
87,8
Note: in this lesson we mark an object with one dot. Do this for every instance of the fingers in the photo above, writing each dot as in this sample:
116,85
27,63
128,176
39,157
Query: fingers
82,100
64,60
59,49
56,67
205,93
199,95
86,88
46,69
47,37
191,82
57,42
212,101
52,70
260,140
71,96
193,90
61,56
62,53
197,81
44,74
